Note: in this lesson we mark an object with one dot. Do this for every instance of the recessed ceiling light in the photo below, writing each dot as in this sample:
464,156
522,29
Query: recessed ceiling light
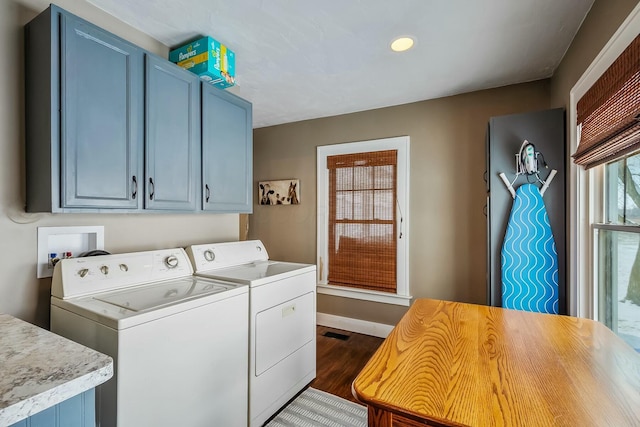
401,44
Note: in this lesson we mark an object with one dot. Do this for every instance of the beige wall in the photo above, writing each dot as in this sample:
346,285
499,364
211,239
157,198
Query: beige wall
21,294
447,160
604,18
447,191
447,225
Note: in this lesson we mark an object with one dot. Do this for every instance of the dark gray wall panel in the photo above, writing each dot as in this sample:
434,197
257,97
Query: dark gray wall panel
546,130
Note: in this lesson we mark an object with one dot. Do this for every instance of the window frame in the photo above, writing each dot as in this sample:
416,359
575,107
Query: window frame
586,187
401,144
599,234
606,236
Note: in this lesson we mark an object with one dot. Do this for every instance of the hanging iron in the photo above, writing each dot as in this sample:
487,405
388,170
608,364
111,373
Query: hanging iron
527,159
527,164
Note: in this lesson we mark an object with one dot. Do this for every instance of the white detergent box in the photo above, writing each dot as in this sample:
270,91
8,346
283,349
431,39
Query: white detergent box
208,58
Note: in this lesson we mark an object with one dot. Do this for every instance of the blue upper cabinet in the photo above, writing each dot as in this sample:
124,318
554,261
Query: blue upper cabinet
227,151
172,136
84,113
113,128
101,114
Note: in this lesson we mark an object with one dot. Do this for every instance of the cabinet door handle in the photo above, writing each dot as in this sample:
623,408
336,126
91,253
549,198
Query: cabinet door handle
152,189
134,193
208,194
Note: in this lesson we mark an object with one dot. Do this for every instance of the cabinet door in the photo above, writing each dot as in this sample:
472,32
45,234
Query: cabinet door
227,151
172,136
101,109
77,411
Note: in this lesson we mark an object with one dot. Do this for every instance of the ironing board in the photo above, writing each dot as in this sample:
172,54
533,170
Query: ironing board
529,256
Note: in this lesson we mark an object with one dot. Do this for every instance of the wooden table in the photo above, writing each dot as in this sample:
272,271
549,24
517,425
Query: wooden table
455,364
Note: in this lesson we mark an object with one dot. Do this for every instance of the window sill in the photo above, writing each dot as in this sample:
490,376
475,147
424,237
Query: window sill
363,294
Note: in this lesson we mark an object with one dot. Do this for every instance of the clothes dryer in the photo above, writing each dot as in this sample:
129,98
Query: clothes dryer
282,319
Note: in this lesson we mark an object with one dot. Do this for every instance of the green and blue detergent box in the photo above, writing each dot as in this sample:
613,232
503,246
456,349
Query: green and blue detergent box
209,59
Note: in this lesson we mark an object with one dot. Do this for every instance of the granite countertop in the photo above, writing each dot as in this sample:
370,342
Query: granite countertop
39,369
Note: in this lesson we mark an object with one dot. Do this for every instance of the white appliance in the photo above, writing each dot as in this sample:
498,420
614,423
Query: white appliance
179,342
282,319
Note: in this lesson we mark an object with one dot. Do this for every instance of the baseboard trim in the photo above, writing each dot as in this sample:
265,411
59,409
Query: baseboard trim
354,325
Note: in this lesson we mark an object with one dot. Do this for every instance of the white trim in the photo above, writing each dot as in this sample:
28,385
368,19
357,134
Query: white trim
577,199
354,325
401,144
595,307
585,204
364,294
618,227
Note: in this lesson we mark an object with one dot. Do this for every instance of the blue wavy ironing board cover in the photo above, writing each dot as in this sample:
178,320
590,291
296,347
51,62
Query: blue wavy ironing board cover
529,256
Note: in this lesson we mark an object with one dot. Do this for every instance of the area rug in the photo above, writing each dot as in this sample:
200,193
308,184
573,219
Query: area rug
315,408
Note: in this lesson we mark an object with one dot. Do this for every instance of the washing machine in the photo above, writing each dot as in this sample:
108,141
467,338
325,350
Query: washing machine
282,319
179,342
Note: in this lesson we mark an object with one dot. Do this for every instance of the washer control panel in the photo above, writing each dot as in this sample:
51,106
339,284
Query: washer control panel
171,261
84,276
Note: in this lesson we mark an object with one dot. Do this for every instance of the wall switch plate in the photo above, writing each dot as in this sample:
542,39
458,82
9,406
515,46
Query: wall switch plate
56,243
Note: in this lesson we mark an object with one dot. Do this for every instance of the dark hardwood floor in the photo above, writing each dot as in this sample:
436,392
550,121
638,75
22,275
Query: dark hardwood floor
339,361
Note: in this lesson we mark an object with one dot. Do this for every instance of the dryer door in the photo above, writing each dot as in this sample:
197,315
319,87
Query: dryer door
282,329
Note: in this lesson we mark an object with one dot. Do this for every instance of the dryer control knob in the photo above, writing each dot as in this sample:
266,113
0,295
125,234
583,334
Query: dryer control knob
171,261
209,255
104,270
83,272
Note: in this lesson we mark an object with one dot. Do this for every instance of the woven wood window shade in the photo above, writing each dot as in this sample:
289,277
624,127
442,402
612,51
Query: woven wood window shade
362,220
609,113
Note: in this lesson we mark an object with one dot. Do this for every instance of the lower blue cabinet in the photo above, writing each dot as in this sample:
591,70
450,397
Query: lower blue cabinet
78,411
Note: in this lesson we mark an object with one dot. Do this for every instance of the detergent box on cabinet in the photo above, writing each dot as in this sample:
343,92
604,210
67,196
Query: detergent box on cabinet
209,59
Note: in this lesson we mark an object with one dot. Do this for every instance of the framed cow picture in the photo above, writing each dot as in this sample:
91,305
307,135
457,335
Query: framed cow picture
281,192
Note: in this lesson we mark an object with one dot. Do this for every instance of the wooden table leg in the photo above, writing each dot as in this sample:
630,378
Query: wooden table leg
378,417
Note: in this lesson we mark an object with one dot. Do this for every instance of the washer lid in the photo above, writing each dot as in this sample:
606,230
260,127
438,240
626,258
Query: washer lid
259,272
153,296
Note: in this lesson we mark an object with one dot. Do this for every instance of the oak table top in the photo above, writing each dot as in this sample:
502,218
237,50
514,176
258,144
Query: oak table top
455,364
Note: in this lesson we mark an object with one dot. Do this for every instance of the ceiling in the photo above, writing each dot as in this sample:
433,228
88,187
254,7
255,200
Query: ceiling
305,59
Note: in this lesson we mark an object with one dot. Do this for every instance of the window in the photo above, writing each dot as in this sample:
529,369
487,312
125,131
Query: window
618,251
603,209
363,220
